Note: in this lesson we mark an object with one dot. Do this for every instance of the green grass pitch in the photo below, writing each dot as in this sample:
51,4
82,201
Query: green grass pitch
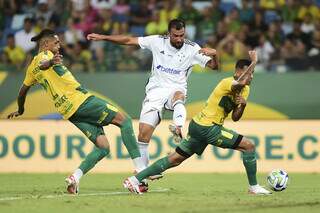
174,193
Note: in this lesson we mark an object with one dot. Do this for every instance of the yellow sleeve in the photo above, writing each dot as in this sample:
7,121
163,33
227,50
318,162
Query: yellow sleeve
226,84
29,80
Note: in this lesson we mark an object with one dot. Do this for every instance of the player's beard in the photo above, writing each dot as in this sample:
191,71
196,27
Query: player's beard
177,45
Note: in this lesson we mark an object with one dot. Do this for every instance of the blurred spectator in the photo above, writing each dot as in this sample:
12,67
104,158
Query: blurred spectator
39,25
155,26
120,15
206,27
257,27
85,19
309,7
168,11
13,55
230,49
191,17
271,4
264,51
80,57
232,20
72,35
217,13
23,37
246,12
29,8
307,24
293,53
298,34
128,61
45,12
140,17
102,4
314,52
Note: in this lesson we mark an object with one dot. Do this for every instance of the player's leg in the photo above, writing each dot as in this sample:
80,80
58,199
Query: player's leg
185,149
226,138
124,122
176,103
247,147
144,136
96,135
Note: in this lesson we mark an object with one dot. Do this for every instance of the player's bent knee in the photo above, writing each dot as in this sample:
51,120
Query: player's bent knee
102,142
250,146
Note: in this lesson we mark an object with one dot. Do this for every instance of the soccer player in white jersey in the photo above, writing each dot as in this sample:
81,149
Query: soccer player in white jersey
173,59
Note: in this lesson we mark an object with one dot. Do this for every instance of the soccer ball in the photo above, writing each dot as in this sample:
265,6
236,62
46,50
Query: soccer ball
278,180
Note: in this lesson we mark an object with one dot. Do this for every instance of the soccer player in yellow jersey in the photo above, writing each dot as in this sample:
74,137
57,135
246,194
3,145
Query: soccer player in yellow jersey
206,127
86,111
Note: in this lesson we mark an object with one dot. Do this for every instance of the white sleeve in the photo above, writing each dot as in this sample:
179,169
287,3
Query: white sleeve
148,41
199,58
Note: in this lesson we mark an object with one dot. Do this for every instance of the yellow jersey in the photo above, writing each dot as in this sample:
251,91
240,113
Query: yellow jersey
65,91
219,104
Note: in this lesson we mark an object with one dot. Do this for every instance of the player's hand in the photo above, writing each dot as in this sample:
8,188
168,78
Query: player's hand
208,51
240,100
14,114
57,59
94,37
253,56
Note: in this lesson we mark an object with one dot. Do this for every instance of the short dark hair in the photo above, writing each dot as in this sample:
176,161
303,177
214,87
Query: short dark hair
43,34
177,24
241,63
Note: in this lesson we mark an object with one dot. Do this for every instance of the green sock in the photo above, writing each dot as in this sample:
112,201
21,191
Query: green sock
250,163
129,139
93,158
156,168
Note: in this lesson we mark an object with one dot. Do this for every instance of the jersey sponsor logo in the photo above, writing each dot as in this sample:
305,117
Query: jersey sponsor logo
168,70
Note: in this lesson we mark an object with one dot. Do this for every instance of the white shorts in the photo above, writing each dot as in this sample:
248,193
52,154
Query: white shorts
155,101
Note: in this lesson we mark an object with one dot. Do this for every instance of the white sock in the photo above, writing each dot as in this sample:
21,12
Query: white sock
139,164
179,114
77,175
143,147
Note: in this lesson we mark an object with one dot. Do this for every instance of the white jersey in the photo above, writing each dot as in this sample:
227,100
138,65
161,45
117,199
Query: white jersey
171,67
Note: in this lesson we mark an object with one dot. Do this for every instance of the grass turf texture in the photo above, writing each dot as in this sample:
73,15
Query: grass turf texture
186,193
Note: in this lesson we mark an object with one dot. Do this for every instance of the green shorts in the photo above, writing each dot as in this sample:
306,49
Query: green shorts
92,115
200,136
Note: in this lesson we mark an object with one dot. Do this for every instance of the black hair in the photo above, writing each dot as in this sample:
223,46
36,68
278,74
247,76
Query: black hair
28,19
241,63
177,24
43,34
10,35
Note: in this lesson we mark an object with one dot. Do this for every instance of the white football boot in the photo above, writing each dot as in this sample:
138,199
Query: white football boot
133,185
258,190
72,185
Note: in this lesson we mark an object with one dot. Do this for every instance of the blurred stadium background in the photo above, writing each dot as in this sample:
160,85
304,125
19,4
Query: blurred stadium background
282,116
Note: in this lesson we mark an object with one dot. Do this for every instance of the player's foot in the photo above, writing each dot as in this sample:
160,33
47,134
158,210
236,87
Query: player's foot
144,186
177,133
258,190
133,185
72,185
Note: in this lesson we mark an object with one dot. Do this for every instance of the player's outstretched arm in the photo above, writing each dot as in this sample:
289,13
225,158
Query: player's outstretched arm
118,39
245,78
21,99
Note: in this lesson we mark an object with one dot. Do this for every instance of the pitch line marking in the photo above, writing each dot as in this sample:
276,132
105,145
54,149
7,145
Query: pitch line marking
161,190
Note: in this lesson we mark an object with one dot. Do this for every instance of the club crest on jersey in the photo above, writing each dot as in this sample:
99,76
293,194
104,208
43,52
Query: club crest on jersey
168,70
